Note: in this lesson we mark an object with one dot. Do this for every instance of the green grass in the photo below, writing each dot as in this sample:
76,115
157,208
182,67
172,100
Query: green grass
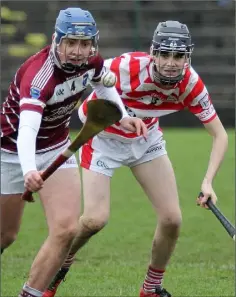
114,262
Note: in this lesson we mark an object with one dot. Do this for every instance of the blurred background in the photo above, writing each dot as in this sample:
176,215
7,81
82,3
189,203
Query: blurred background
125,26
117,258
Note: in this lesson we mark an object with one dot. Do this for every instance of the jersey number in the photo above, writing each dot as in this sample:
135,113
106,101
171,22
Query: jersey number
72,86
84,83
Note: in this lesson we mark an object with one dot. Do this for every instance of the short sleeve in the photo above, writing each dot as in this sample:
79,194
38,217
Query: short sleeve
97,63
197,98
34,91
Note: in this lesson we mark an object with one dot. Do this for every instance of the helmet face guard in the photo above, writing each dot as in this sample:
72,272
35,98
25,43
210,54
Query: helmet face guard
171,38
75,24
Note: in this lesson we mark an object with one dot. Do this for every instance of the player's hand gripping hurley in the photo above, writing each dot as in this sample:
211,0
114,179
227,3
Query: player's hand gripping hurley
101,114
219,215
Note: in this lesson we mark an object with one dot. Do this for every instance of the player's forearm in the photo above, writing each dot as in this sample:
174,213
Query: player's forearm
26,141
112,95
219,147
26,148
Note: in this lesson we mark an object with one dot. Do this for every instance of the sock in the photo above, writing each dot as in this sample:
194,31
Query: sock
68,262
63,271
2,250
30,292
153,279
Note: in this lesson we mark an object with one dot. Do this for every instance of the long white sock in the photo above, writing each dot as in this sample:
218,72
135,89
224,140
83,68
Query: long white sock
30,292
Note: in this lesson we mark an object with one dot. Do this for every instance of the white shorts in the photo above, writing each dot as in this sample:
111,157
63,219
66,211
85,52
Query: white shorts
12,180
104,155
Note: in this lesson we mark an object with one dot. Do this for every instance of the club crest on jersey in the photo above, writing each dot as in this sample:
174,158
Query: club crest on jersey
35,92
157,99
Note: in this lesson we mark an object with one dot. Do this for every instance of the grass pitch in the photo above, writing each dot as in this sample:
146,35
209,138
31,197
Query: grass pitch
114,262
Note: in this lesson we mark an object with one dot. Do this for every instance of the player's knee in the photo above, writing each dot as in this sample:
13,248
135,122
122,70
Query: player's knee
92,225
7,238
65,230
171,223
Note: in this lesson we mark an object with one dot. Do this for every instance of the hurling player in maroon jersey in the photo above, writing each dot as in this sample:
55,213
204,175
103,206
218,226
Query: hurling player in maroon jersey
35,118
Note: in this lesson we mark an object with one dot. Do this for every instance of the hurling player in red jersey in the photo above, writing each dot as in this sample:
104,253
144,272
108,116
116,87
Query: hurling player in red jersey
150,85
34,125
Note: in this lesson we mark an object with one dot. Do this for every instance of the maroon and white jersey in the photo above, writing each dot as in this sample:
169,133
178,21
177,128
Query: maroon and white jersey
40,86
144,98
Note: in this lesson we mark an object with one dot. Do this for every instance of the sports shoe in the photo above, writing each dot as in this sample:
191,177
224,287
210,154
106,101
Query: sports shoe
52,289
159,292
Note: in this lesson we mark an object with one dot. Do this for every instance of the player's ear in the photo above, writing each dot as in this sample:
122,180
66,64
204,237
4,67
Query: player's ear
53,36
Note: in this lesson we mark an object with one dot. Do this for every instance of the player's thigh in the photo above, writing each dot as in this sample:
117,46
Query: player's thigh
12,180
12,187
96,193
11,210
61,197
157,179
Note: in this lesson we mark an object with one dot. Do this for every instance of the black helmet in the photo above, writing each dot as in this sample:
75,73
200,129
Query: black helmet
171,36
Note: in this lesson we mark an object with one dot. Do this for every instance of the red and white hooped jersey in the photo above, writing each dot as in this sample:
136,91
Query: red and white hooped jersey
40,86
145,99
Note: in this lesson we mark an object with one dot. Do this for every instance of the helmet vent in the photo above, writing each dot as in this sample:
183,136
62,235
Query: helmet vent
68,14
